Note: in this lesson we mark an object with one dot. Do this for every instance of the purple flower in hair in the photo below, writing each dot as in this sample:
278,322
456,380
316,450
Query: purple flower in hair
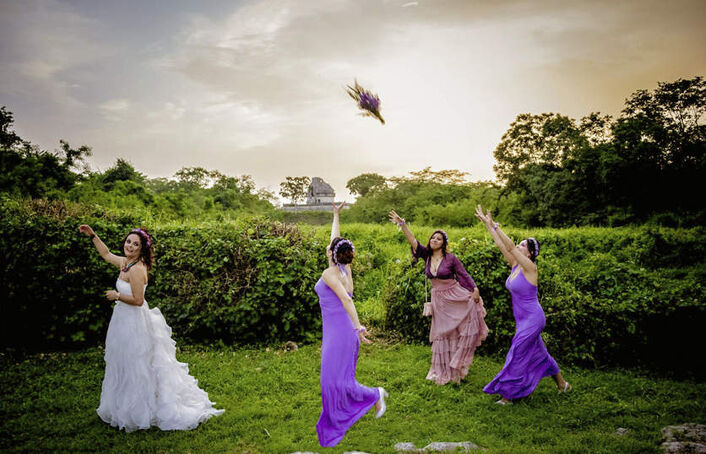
144,235
338,245
366,100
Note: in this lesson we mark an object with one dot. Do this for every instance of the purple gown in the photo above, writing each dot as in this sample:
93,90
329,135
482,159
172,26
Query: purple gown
527,361
343,399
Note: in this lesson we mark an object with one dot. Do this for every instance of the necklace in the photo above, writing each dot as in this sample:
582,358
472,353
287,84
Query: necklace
434,270
127,267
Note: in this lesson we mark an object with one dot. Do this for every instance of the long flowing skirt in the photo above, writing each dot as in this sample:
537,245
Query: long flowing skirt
344,400
527,362
457,329
144,384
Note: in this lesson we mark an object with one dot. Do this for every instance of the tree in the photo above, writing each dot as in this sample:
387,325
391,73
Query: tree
122,170
8,138
294,188
26,170
73,157
660,137
547,139
193,177
363,184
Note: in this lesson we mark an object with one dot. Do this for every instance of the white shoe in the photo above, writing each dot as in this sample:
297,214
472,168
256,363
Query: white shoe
566,389
383,407
503,402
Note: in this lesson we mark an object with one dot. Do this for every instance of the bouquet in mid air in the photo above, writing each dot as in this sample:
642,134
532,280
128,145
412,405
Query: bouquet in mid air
366,100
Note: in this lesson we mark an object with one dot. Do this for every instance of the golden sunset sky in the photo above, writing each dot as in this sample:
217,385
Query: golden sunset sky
258,87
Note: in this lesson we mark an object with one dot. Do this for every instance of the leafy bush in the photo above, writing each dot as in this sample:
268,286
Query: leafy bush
622,296
247,281
611,296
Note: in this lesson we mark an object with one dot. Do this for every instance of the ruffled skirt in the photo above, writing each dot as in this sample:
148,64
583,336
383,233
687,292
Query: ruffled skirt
144,384
457,329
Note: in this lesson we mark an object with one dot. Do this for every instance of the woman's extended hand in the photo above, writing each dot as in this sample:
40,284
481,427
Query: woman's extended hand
86,230
337,208
395,218
479,214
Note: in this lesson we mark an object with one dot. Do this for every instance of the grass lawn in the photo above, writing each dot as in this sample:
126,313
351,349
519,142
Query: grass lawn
272,403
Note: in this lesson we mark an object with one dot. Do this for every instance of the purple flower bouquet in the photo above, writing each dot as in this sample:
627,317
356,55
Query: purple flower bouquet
367,102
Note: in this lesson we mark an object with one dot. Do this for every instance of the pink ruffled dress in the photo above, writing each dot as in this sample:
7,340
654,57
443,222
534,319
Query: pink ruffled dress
458,322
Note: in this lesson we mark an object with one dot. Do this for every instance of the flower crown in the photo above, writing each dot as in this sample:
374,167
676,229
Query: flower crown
144,235
335,249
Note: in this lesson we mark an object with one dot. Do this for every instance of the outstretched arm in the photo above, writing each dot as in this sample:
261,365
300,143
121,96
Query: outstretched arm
527,265
336,285
397,219
336,224
101,247
501,240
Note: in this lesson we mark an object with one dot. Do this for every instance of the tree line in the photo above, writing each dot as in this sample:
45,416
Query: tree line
648,164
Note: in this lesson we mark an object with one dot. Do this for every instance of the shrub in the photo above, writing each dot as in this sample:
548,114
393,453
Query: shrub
248,281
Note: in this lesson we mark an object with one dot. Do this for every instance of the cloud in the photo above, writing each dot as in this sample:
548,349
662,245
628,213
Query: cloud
259,87
43,41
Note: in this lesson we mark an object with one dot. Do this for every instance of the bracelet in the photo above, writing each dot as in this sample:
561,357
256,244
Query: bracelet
93,235
360,329
118,298
401,223
495,227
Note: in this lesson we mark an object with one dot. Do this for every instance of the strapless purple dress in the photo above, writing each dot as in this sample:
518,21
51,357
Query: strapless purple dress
527,361
343,399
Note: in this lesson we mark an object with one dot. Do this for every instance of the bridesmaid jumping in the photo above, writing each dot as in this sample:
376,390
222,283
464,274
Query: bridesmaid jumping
343,399
527,361
457,315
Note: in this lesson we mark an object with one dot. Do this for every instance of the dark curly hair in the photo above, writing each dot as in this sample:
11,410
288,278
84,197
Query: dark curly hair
533,248
146,251
344,254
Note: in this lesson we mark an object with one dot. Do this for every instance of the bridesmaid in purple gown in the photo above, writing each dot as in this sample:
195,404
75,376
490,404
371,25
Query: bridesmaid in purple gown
343,399
527,361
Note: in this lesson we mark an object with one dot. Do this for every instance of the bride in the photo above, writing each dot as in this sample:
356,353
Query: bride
144,384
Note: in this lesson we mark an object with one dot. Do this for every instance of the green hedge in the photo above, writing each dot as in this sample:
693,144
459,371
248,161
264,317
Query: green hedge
625,296
248,281
628,296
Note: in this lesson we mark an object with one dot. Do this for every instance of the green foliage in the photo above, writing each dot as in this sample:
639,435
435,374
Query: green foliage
294,188
429,201
612,297
643,166
363,184
27,171
248,281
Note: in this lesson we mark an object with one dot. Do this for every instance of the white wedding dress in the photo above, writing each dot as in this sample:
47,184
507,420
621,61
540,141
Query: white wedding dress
144,384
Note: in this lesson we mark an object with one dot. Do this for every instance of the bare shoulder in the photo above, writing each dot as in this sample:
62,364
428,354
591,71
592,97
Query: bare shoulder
138,272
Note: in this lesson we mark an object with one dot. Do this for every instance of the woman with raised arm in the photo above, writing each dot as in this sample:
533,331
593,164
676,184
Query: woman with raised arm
527,361
457,313
144,384
343,399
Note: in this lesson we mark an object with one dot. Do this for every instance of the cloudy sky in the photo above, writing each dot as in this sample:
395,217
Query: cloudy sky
258,87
